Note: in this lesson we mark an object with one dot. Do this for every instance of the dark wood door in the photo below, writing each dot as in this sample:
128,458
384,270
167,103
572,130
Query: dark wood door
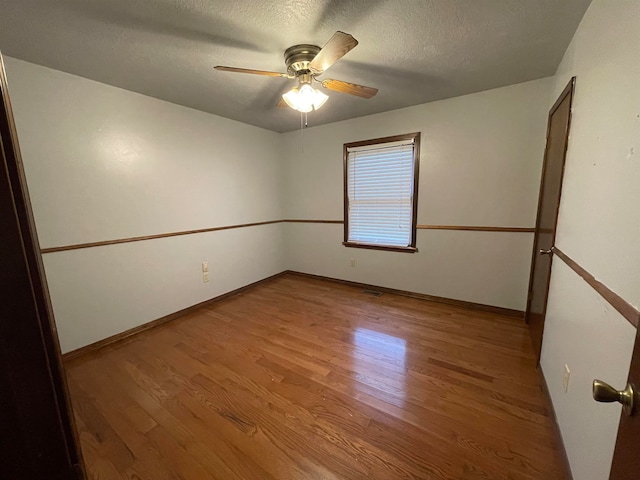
548,204
37,435
626,461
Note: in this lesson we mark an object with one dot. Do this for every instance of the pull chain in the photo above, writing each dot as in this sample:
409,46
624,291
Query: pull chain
304,123
301,133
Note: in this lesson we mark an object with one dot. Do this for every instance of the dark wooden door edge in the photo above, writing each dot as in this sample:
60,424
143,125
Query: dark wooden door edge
625,464
37,335
422,296
627,310
556,427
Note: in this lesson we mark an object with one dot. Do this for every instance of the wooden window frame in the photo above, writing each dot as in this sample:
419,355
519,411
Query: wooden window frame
415,136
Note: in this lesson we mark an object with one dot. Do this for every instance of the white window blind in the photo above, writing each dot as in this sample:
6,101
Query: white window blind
380,181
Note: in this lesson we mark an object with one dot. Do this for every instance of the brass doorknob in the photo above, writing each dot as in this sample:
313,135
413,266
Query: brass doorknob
603,392
545,252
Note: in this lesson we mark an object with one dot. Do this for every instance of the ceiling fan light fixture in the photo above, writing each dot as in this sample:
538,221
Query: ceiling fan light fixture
305,63
305,98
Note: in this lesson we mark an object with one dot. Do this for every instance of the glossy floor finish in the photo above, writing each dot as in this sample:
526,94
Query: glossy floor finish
301,378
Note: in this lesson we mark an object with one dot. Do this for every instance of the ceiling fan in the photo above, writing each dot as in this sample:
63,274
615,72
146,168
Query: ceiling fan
305,63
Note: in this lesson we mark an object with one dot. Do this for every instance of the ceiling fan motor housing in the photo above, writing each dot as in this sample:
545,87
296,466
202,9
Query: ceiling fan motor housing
298,58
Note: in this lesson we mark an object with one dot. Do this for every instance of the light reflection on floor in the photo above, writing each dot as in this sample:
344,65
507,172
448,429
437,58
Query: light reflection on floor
371,346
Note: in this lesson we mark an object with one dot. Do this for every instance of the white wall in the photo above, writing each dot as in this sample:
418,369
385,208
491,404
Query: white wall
599,227
480,165
103,163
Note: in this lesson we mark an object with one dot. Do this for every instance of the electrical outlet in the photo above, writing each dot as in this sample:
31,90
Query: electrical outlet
353,262
205,277
205,267
565,378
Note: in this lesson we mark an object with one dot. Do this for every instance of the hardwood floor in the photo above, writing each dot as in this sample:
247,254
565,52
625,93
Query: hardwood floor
303,378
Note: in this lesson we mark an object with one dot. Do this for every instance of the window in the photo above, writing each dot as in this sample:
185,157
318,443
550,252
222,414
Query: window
381,192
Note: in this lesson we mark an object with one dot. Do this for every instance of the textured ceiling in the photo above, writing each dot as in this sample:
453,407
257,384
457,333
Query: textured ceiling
413,51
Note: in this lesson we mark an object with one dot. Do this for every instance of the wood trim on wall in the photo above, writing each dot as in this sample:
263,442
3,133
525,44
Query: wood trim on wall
627,310
79,246
422,296
388,248
313,221
127,334
103,243
477,228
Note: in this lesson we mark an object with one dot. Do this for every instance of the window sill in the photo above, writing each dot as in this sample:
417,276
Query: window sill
380,247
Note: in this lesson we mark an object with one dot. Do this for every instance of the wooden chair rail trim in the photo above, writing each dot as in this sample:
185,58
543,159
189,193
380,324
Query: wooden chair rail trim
627,310
79,246
128,334
477,228
103,243
291,220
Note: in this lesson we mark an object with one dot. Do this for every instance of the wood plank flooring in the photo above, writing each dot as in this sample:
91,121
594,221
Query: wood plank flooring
301,378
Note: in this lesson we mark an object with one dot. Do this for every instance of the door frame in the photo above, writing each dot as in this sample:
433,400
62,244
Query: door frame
568,91
25,245
625,456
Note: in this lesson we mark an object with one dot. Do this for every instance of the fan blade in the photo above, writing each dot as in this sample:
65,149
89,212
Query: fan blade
282,104
350,88
336,48
254,72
